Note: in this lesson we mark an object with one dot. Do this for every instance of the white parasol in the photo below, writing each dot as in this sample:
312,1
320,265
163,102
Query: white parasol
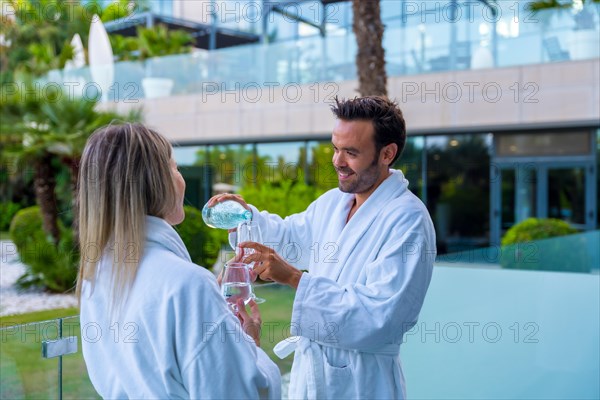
71,73
78,60
101,57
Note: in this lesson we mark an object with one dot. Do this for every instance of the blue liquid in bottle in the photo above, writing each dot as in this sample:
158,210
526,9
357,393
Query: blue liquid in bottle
225,215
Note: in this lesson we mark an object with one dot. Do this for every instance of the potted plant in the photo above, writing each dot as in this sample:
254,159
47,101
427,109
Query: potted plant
584,40
149,45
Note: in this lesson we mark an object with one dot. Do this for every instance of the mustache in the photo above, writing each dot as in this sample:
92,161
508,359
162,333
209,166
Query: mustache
344,170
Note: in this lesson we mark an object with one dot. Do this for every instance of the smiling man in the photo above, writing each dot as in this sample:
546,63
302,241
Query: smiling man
368,247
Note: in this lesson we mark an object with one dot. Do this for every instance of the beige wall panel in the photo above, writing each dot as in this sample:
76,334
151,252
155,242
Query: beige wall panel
176,128
275,121
562,104
343,89
565,92
174,105
322,120
272,94
573,73
300,118
252,122
220,125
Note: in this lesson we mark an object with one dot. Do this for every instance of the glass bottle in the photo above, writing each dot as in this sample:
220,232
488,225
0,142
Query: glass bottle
225,215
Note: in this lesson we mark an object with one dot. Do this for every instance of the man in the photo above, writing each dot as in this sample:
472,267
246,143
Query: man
368,247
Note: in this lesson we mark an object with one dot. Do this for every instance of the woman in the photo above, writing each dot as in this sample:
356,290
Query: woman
153,324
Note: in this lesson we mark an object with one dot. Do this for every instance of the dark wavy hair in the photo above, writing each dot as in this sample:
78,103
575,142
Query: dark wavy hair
385,114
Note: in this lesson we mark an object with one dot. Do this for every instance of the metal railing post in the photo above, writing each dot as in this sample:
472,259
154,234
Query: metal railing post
59,348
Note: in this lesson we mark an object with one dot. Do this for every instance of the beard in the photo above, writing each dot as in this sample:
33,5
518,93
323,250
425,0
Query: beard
360,182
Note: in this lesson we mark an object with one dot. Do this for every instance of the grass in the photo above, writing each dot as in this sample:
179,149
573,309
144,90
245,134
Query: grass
276,314
25,374
37,316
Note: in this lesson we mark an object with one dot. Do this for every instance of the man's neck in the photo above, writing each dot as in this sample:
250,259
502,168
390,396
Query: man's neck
361,198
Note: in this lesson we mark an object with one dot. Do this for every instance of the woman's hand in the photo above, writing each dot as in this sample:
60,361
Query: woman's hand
250,323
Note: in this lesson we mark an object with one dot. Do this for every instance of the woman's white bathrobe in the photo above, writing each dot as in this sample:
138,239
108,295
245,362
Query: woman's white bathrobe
175,338
365,287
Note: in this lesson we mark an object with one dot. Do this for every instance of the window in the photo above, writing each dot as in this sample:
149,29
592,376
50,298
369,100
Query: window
280,161
411,164
458,188
321,172
547,144
232,165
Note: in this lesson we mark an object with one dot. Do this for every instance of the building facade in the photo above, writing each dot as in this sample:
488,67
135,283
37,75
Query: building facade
502,105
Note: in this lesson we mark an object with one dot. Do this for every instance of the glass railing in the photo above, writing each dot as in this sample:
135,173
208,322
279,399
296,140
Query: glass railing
485,332
31,366
572,253
411,48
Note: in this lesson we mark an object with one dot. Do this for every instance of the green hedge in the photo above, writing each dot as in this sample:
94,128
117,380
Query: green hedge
537,229
53,267
283,198
7,212
203,243
532,245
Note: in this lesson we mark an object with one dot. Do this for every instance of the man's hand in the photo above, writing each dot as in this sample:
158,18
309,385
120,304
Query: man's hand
250,323
228,196
270,266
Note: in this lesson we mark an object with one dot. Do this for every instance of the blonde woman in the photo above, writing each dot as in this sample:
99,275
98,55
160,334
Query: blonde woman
153,324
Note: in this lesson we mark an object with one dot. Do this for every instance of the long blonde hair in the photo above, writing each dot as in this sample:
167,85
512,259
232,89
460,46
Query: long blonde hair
124,175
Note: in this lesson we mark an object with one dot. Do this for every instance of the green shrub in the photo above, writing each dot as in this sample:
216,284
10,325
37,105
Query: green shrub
53,267
203,243
530,245
536,229
7,212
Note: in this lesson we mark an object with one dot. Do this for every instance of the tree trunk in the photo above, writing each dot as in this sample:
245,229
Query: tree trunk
44,184
73,164
370,58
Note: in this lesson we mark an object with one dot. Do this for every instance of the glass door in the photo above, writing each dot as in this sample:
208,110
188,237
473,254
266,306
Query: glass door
518,194
562,190
566,195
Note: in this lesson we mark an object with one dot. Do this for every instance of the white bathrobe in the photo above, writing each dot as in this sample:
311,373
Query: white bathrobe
175,338
365,286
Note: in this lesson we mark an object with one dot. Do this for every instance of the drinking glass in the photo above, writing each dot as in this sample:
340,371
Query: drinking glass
248,231
236,285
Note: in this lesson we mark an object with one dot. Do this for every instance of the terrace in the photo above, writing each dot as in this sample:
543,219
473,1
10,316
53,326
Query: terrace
488,329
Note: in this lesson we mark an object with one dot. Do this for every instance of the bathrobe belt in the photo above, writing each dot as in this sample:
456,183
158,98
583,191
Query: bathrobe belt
315,385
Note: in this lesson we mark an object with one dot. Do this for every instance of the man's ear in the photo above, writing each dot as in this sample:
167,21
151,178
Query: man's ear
388,153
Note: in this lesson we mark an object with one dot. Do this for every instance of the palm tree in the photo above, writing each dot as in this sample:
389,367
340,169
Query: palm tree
42,128
37,36
370,58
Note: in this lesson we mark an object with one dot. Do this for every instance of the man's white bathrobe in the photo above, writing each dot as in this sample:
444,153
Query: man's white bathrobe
365,286
175,338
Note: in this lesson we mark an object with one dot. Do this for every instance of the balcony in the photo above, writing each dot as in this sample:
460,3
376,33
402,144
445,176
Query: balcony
412,48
